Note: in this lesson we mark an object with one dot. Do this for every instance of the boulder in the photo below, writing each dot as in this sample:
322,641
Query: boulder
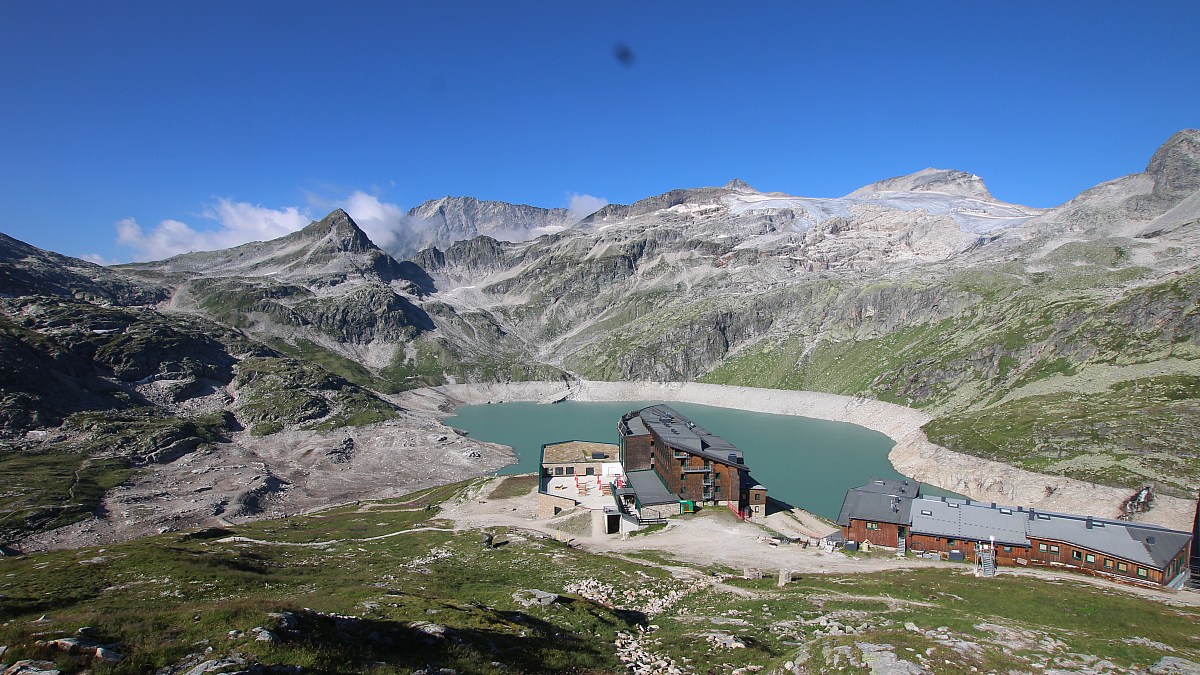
31,667
529,597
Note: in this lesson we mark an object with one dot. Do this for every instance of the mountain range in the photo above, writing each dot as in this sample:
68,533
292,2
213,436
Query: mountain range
1065,340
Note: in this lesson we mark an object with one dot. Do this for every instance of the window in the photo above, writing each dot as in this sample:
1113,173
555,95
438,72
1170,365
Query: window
1076,555
1007,512
926,513
1042,548
1142,572
591,471
683,476
1053,549
570,471
758,496
1108,563
558,471
1007,549
718,488
1122,567
1090,558
683,490
872,526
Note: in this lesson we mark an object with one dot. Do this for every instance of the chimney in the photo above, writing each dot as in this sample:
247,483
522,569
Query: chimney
1088,524
1030,514
1150,540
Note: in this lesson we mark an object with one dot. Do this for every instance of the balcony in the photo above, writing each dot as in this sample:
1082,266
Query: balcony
697,469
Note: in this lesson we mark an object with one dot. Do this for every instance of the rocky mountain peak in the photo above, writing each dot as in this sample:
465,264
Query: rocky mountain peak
341,231
739,185
441,222
1175,166
945,181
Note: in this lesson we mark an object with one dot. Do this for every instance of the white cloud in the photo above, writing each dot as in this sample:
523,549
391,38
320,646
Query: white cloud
384,222
228,223
582,206
231,223
98,259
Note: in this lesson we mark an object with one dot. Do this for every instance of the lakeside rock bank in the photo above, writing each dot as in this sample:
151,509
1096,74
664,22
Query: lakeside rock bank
913,454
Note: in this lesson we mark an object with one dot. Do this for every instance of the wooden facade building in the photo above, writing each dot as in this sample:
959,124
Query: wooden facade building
1116,549
878,512
692,463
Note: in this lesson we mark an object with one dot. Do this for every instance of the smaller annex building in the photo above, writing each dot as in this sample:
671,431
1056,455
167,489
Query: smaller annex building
878,512
577,473
962,529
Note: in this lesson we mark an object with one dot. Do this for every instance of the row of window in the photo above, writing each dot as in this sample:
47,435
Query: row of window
570,471
1055,549
1090,558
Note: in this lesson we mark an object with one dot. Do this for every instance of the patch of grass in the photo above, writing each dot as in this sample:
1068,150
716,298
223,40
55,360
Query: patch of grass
163,595
45,490
1139,432
515,486
275,392
388,567
49,486
648,529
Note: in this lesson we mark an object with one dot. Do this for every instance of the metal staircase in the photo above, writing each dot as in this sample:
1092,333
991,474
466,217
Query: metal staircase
985,562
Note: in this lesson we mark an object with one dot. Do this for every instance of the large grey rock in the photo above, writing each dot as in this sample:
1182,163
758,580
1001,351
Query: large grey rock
1174,665
531,596
32,667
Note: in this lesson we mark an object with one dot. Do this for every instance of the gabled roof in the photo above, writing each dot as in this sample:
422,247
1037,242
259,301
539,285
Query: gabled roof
958,519
883,500
875,507
897,487
680,433
1146,544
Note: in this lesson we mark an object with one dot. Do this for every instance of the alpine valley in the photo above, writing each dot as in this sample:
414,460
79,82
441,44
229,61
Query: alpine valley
219,387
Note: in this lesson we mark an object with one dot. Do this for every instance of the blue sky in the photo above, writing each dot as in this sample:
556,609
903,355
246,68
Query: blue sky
129,128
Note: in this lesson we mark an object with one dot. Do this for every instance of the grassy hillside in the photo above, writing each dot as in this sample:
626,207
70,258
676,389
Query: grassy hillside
387,587
1091,381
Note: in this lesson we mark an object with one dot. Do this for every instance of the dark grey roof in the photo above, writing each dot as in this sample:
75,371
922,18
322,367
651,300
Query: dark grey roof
635,426
1131,541
649,487
875,507
944,517
681,433
901,487
958,519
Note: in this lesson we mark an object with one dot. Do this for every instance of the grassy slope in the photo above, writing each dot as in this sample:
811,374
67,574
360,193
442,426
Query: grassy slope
984,374
168,596
59,483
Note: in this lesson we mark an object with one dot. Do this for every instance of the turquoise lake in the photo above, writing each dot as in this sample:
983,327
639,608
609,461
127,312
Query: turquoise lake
805,462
